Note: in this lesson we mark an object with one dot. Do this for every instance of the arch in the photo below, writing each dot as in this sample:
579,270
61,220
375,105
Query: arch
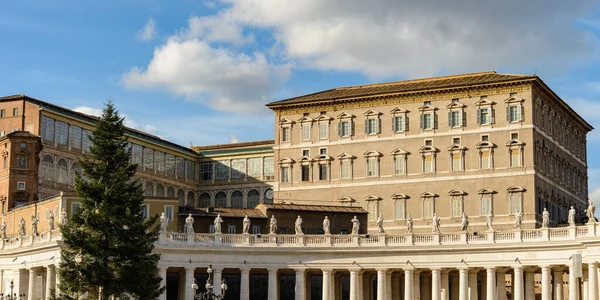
149,190
160,190
253,198
171,192
48,167
220,199
457,193
428,149
190,198
181,197
372,153
400,196
204,200
345,199
237,199
61,168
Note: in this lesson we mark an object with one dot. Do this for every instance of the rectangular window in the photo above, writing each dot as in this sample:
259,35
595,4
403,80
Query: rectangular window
148,158
306,152
372,167
428,208
454,119
222,170
211,228
486,160
456,141
137,152
515,203
285,174
428,142
346,169
485,138
399,165
75,137
159,161
514,135
345,128
398,124
47,130
323,151
190,169
268,168
323,172
75,207
285,134
2,113
238,168
373,209
20,185
486,205
456,162
86,143
169,212
371,126
180,162
515,158
485,116
426,121
323,130
254,167
62,133
305,170
206,170
306,132
15,112
145,211
513,113
428,164
399,210
457,207
231,229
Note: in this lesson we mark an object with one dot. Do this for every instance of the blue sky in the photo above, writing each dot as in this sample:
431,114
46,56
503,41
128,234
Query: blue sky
201,71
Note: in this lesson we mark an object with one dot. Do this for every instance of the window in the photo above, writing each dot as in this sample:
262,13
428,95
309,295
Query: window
237,199
427,103
253,198
515,158
485,159
222,170
456,204
21,185
456,161
137,153
148,158
306,131
428,207
75,137
268,168
372,126
231,229
254,167
485,116
211,228
180,164
75,207
345,128
15,112
514,135
61,167
426,121
48,168
398,124
323,172
399,164
39,286
145,211
513,95
285,134
514,113
456,141
62,133
428,142
516,202
485,138
2,113
47,130
86,143
323,130
285,174
372,167
204,200
220,199
346,169
306,152
373,210
486,205
455,100
305,170
455,118
428,164
399,206
5,162
323,151
255,229
206,170
238,168
190,169
149,190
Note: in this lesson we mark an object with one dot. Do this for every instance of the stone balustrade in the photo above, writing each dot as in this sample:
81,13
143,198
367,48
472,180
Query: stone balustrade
30,240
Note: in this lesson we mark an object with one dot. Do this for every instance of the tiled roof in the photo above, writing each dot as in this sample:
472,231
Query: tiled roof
315,208
234,145
414,85
225,212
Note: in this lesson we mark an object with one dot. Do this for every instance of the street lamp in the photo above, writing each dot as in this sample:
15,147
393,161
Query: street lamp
11,295
209,294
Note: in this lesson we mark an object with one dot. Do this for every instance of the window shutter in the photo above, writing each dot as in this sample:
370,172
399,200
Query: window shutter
378,125
479,116
405,123
507,113
366,126
464,119
351,127
520,112
449,119
339,128
421,119
394,119
435,123
492,113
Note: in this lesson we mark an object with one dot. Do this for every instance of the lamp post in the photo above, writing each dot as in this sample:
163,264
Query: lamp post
209,294
11,295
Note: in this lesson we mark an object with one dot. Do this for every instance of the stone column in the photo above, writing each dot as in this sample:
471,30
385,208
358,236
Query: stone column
388,285
244,283
573,284
189,280
518,283
435,284
408,284
473,292
50,278
32,283
558,285
381,284
162,273
585,286
300,284
417,285
483,292
354,288
217,278
546,284
463,283
501,285
593,281
491,283
445,294
273,290
326,284
530,285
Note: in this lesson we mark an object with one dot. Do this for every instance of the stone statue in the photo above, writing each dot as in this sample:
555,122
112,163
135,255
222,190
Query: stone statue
590,211
545,218
22,227
62,219
409,224
380,224
164,222
34,223
489,219
189,224
273,225
51,221
246,225
572,216
518,220
298,225
326,225
217,223
435,223
355,225
3,230
464,222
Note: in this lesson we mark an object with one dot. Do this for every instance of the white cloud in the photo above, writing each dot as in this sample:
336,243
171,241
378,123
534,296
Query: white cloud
96,112
148,31
233,139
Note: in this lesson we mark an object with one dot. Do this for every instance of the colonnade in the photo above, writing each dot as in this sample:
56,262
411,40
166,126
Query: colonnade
26,281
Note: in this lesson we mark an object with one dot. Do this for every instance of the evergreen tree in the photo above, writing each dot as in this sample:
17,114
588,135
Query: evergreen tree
108,243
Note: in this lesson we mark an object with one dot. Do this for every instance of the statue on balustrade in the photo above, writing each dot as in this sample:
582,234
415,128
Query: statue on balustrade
22,227
355,225
246,224
435,223
326,225
273,225
464,222
34,223
164,222
51,221
572,216
189,224
380,224
489,219
63,217
409,224
518,220
545,218
590,211
3,230
217,223
298,225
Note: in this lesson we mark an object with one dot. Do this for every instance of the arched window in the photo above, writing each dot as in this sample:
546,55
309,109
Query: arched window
160,190
61,167
149,191
220,199
181,197
190,198
204,200
48,168
170,192
237,199
253,198
75,169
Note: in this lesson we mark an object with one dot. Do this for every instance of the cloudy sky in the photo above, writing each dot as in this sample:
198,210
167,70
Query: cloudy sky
201,71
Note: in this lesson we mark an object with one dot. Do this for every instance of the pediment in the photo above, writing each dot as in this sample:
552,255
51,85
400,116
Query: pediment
485,191
428,195
322,157
400,196
346,199
399,151
372,153
455,105
321,118
372,198
427,107
455,147
428,149
484,102
516,189
285,121
346,156
285,160
305,119
399,110
513,100
485,145
371,112
345,115
457,193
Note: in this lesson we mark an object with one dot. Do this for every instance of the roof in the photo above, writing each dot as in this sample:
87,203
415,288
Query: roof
413,85
225,212
315,208
266,145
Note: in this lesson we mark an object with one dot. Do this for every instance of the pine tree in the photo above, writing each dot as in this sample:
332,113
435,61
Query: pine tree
108,243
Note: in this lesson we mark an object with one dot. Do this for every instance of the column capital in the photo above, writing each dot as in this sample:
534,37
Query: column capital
300,270
272,270
190,268
519,267
244,268
327,270
381,270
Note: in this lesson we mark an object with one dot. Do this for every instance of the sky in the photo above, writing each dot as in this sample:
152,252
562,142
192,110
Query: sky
201,72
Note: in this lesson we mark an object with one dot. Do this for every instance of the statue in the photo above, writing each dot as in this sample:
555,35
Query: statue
326,225
164,222
518,220
545,218
51,221
22,227
273,225
3,230
34,222
380,224
572,216
217,223
189,224
63,217
464,222
489,219
590,211
298,225
246,224
409,224
355,225
435,223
